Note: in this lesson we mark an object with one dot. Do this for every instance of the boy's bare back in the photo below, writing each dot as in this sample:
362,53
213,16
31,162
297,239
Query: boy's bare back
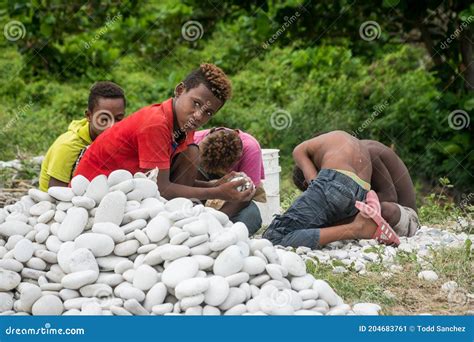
339,150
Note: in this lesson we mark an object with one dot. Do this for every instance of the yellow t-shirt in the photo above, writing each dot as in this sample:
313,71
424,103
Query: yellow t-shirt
63,153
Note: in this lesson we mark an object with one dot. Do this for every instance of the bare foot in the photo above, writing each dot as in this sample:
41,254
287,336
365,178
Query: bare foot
364,228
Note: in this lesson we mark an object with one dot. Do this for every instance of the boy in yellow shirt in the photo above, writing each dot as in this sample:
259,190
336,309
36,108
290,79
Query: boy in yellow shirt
106,105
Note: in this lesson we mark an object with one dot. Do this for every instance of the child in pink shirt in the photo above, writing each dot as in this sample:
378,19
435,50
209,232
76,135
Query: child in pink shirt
223,150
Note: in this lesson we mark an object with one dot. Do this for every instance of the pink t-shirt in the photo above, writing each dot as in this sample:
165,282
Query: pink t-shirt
251,161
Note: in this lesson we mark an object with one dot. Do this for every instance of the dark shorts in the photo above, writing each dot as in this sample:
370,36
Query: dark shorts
330,198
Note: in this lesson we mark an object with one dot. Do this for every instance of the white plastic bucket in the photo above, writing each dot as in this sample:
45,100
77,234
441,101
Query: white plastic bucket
271,184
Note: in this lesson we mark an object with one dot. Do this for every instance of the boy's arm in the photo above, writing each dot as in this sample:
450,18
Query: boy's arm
205,184
226,191
303,160
56,182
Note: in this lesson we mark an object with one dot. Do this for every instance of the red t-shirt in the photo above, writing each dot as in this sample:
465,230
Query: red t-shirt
140,142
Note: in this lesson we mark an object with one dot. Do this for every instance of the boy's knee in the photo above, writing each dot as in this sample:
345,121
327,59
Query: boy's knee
390,211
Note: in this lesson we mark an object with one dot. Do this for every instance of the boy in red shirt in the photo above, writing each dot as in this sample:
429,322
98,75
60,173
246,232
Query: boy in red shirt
161,136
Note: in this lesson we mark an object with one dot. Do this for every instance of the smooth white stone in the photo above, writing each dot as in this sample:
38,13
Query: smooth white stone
83,202
309,294
23,250
64,206
38,195
179,238
126,248
179,203
155,296
294,264
40,208
36,263
366,309
73,224
236,296
237,279
205,262
82,259
217,292
77,280
191,287
143,188
447,287
97,188
96,290
79,185
110,229
14,227
430,276
259,244
145,277
240,229
325,292
302,283
222,240
253,265
46,217
48,305
61,193
63,255
8,280
11,265
179,270
158,228
134,307
127,291
172,252
189,302
6,302
153,205
229,261
99,244
162,309
111,208
118,176
196,228
109,278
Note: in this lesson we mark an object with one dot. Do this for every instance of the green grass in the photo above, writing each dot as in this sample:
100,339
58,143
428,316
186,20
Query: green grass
412,295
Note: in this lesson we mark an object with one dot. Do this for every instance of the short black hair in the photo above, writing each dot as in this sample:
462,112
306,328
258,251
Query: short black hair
298,175
298,178
213,78
106,90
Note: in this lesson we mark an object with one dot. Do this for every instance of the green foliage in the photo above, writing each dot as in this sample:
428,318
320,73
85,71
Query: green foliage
383,91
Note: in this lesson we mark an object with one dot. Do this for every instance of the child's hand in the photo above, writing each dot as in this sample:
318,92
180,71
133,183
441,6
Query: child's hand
229,192
226,178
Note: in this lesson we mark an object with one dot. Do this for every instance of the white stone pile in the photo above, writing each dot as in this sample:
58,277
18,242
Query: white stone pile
355,255
114,246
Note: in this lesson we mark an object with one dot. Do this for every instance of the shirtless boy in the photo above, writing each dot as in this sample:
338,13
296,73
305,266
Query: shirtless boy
337,168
